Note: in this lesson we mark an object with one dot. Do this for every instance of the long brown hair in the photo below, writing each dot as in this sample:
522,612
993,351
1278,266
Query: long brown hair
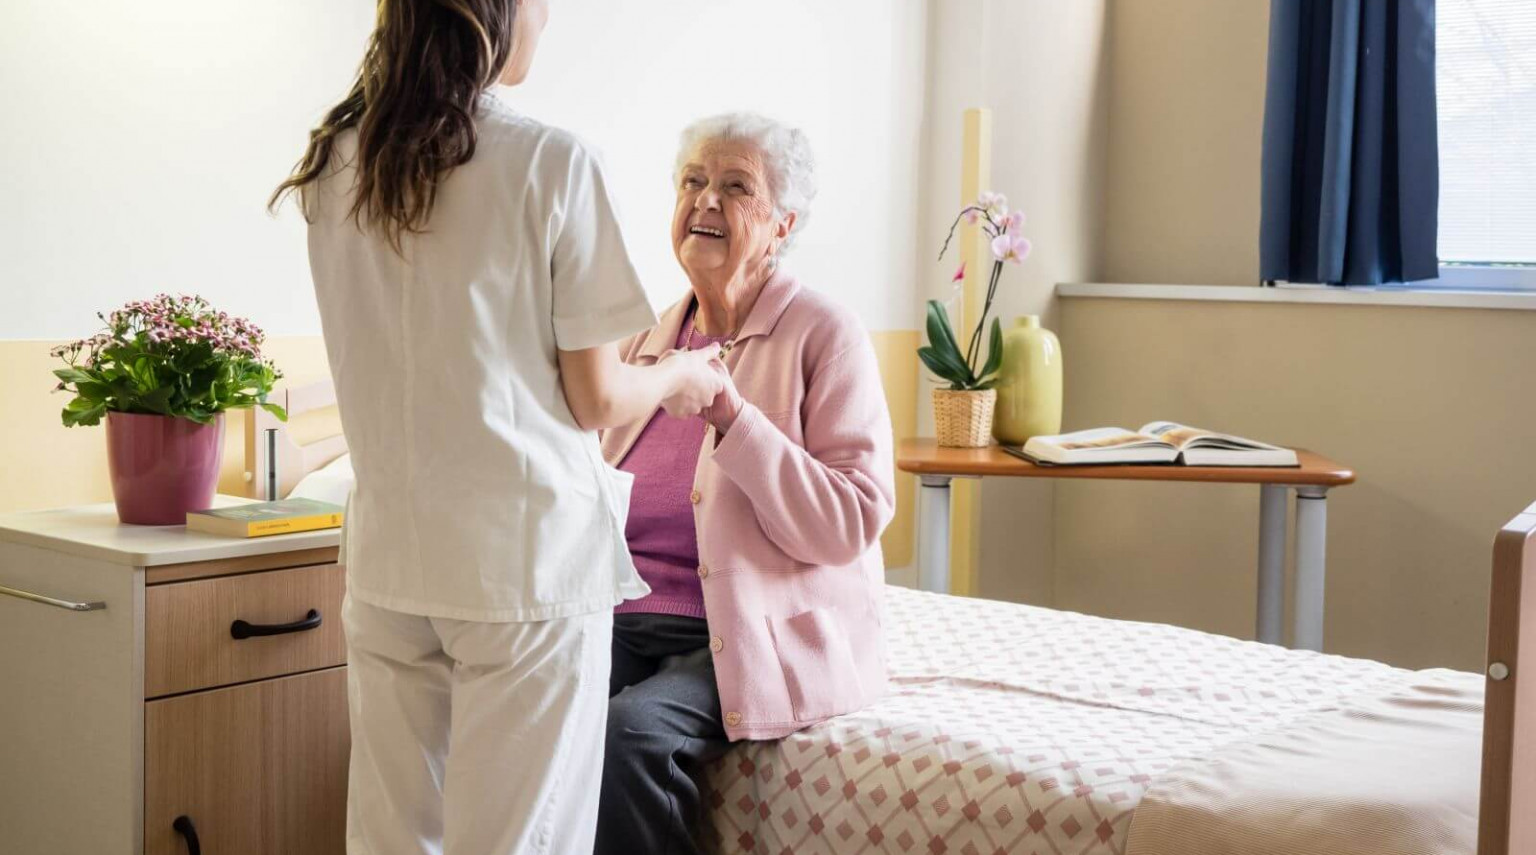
413,106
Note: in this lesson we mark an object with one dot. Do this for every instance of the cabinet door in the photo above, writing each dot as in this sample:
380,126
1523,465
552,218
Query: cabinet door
258,769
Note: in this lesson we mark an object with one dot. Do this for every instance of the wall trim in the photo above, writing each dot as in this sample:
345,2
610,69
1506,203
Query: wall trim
1300,294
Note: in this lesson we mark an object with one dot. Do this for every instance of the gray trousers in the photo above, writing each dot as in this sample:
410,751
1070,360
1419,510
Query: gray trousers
664,723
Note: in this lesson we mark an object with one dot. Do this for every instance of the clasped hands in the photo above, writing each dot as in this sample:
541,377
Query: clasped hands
704,389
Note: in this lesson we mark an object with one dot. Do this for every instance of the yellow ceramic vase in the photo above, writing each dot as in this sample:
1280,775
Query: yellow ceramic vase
1028,384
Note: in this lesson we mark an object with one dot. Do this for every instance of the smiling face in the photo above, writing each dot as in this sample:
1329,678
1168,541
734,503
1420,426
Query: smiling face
725,222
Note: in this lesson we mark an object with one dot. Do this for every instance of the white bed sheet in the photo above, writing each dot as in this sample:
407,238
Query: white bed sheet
1013,729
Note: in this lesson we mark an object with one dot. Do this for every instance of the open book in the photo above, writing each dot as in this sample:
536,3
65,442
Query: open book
1156,442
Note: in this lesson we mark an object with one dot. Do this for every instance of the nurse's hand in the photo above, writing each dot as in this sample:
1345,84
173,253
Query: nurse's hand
695,382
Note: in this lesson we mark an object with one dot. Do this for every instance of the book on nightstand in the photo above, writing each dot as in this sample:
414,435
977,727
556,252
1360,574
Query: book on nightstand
260,519
1156,442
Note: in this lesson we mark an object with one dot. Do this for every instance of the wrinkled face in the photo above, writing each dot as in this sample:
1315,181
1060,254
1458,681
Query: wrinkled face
725,221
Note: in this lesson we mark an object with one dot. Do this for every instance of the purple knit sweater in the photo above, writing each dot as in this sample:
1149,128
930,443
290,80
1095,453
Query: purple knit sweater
660,528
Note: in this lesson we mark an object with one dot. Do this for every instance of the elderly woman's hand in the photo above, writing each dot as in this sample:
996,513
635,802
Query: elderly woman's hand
726,406
696,382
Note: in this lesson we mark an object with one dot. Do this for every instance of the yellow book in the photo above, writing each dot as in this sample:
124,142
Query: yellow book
264,518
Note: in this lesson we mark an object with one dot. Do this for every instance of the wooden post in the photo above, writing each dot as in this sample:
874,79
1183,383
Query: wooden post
975,177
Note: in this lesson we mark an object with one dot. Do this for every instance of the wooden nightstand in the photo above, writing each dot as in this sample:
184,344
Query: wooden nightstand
158,684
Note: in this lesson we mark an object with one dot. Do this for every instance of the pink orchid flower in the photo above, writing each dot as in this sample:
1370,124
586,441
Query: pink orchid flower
1010,248
995,204
971,216
1014,222
959,274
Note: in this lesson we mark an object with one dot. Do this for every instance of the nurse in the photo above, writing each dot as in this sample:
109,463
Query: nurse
472,281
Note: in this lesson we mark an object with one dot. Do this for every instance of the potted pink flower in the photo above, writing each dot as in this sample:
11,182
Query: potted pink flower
963,411
162,373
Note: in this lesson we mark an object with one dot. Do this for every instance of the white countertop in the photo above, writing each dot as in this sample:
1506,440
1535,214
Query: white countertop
93,531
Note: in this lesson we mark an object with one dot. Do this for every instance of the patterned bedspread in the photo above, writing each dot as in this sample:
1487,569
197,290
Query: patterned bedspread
1012,729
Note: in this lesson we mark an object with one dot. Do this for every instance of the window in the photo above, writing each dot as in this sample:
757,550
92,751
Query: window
1485,85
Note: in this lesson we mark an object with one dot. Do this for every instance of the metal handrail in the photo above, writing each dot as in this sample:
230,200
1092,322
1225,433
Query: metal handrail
52,601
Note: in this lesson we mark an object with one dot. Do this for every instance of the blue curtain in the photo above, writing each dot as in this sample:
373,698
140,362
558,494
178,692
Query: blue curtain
1351,176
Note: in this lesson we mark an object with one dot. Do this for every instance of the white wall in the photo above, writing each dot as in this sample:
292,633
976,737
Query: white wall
1040,67
141,139
630,76
140,143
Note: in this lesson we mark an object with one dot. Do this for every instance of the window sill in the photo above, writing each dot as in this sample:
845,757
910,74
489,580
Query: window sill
1439,299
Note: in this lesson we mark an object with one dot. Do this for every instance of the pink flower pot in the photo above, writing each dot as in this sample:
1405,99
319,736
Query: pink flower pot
162,467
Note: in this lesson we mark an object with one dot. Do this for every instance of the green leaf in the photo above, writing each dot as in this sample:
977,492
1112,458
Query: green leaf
81,413
158,400
994,350
94,391
282,414
944,370
940,335
72,375
949,366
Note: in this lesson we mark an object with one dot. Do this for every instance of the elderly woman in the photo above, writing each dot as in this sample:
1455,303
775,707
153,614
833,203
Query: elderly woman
757,524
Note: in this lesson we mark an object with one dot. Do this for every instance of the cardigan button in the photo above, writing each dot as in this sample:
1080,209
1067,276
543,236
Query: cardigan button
717,644
694,497
733,718
703,572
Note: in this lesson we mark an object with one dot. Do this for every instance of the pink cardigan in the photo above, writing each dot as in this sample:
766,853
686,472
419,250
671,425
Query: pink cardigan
789,506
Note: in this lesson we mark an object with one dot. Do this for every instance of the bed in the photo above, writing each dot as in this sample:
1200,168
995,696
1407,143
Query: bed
1011,728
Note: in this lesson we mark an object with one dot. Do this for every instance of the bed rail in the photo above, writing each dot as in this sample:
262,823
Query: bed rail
1507,807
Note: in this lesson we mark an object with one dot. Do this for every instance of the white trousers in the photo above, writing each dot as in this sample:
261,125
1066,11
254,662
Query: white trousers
473,738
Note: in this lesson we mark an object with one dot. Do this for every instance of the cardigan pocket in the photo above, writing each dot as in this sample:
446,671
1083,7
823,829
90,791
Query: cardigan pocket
818,664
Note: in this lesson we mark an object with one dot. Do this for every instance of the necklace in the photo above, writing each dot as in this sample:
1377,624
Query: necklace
693,324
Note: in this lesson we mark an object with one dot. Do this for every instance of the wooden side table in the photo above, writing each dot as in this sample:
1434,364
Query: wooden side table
161,689
1310,481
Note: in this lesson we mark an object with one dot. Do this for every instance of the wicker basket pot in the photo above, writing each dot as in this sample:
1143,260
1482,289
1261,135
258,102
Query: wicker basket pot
964,419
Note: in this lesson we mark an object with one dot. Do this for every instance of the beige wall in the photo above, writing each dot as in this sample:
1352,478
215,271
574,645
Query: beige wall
1431,407
1186,109
1426,404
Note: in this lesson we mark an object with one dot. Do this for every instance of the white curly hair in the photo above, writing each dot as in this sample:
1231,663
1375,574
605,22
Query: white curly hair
786,153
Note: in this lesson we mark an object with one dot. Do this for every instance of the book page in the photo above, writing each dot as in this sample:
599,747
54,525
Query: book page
1174,434
1099,438
1184,436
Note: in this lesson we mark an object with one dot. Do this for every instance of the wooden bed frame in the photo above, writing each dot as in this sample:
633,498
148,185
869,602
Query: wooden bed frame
292,460
1506,825
1507,805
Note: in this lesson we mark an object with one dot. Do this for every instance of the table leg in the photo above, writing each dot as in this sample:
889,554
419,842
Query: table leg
1271,562
1311,551
933,535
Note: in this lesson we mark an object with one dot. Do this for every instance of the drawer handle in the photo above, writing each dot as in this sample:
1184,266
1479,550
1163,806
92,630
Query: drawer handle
51,601
241,629
183,824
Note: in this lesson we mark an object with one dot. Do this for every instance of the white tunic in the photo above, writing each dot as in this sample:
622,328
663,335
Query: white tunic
478,497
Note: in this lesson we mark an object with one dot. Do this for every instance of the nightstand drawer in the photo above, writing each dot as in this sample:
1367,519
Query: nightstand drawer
231,629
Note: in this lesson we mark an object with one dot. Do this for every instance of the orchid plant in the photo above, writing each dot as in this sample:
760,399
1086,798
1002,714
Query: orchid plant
170,356
942,354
